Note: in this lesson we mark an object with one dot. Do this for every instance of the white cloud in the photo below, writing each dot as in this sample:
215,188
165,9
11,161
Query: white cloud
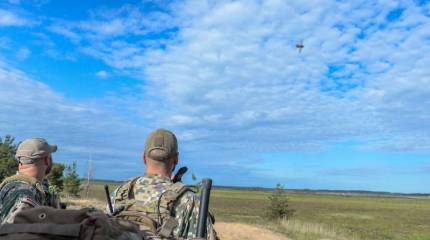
65,31
23,53
231,72
4,43
102,74
33,109
227,78
125,21
8,18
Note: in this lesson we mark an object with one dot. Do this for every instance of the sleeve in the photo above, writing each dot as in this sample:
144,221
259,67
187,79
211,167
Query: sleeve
187,214
17,198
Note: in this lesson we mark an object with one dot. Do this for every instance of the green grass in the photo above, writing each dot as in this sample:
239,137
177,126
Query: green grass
357,217
364,217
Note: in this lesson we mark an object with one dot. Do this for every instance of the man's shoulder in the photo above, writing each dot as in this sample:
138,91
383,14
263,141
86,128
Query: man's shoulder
151,183
18,193
16,183
22,180
123,188
17,186
129,186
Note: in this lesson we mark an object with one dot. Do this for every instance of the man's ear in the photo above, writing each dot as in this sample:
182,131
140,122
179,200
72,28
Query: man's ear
48,162
176,159
144,158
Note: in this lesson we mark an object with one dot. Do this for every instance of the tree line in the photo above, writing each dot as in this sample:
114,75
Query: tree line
63,177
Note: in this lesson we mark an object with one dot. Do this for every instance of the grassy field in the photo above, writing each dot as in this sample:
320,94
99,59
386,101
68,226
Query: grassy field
323,216
347,217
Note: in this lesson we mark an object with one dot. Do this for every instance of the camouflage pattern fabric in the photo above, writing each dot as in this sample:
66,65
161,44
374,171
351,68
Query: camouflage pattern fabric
21,192
52,195
147,191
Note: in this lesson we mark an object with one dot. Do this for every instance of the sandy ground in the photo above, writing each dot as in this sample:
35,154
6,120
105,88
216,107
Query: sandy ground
240,231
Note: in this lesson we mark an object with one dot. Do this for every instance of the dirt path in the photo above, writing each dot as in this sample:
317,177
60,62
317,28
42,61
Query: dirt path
240,231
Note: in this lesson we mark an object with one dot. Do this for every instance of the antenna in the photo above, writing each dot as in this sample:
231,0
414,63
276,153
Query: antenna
89,175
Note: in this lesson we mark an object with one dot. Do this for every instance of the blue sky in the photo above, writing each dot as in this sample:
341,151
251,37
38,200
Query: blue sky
351,111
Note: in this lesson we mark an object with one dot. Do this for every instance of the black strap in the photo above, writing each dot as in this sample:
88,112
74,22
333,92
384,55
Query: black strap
130,192
68,230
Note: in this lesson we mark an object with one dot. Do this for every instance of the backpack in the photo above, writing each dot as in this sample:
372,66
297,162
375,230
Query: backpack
155,220
43,223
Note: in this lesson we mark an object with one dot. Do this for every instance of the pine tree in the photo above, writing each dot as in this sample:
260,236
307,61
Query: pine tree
55,177
8,163
72,182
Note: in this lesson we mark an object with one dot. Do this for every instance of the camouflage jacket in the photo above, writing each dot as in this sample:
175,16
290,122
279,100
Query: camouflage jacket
147,191
19,192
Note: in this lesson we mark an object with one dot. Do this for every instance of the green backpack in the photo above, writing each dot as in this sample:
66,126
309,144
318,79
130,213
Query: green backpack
156,220
43,223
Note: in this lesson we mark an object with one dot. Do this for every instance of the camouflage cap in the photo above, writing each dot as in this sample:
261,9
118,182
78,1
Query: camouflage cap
161,144
33,149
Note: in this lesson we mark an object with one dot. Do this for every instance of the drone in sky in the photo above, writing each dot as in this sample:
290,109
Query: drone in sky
300,46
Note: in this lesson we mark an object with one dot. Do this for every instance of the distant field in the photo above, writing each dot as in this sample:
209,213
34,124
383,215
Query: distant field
323,216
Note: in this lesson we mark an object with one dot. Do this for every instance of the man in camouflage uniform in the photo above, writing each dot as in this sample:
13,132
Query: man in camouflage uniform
150,191
28,188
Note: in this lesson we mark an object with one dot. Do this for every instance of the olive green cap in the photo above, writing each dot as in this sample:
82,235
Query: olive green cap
161,145
31,150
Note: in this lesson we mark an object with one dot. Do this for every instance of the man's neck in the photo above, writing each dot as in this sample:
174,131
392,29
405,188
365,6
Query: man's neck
31,172
161,172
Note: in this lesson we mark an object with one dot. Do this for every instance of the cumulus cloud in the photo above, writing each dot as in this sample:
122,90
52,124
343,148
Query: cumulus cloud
128,20
231,73
226,76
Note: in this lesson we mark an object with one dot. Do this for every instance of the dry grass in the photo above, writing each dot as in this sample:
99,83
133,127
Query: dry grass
306,230
76,203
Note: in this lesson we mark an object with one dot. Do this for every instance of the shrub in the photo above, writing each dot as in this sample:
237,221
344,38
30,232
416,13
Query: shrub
279,204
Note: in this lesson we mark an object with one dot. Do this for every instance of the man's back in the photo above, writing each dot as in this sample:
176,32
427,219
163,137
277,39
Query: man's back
27,188
17,193
149,193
